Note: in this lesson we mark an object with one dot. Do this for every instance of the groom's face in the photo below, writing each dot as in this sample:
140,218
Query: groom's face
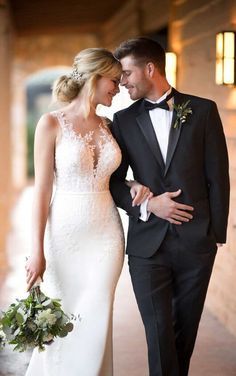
134,78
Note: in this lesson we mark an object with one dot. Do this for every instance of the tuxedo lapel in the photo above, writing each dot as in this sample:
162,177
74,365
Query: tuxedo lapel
174,133
146,127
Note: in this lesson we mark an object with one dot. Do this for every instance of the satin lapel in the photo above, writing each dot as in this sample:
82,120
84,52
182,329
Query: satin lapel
174,134
146,127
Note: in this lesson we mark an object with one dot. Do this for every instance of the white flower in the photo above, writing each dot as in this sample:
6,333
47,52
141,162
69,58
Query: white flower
47,338
2,334
2,339
45,318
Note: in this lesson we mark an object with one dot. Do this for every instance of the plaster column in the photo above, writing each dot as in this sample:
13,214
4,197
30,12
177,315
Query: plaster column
5,130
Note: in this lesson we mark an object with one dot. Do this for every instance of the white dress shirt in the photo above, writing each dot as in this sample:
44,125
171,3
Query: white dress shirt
161,121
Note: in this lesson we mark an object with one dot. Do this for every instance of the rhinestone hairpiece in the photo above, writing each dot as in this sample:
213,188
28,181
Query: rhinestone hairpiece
75,75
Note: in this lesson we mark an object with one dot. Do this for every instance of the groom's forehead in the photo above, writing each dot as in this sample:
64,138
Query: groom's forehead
128,63
128,60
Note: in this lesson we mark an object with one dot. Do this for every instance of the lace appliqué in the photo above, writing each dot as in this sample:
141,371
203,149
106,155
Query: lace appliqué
77,168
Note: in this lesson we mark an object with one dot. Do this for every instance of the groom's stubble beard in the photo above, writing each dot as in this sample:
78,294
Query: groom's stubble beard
140,89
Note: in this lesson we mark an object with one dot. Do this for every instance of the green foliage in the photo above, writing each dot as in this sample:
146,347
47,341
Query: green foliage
34,322
182,111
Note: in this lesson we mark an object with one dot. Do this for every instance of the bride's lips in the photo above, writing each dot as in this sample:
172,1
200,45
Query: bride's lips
111,95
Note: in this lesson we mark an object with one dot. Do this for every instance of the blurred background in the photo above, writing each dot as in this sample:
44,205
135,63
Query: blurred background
38,41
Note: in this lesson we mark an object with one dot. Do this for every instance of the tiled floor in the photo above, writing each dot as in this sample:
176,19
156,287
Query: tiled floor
215,352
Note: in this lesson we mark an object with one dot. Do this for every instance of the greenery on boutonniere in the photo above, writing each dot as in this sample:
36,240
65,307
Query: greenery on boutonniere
182,111
34,322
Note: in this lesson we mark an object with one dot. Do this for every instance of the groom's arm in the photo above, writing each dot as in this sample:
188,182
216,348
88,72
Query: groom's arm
118,187
217,173
161,206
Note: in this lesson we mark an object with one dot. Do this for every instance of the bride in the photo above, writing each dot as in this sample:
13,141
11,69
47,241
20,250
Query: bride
77,239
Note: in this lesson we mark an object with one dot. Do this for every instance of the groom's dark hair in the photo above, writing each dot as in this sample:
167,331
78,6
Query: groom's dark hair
143,50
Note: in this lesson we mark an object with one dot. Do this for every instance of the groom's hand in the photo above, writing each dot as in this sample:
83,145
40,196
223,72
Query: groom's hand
163,206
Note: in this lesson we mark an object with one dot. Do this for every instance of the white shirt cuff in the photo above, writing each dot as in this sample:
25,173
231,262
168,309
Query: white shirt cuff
144,214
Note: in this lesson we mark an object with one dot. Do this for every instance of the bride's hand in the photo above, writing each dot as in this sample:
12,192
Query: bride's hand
139,192
35,268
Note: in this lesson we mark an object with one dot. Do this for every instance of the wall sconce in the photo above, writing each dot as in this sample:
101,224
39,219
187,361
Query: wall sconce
225,58
171,67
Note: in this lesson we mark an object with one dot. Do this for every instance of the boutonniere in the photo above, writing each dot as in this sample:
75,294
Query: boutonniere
182,111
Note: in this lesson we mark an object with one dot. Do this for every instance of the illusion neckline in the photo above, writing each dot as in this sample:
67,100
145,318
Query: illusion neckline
87,139
79,135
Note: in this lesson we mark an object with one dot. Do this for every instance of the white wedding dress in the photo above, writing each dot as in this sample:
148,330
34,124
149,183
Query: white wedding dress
84,249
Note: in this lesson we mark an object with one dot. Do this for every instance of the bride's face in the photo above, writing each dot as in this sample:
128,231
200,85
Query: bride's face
105,90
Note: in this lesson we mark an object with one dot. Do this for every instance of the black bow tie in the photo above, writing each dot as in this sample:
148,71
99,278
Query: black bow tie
163,104
150,106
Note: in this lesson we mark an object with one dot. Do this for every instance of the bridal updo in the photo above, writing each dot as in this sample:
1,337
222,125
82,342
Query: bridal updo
88,66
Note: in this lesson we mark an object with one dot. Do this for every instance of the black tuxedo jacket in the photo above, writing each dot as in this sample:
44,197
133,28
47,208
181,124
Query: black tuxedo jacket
197,163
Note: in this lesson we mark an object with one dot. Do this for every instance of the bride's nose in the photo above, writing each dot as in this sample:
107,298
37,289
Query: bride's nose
123,80
117,89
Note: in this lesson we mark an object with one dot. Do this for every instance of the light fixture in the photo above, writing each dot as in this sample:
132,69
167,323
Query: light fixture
225,58
171,67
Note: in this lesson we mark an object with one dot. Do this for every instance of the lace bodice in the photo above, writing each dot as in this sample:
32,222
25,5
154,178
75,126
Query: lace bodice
76,168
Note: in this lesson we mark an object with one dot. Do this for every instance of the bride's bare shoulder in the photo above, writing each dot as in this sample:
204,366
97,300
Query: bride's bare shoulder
48,122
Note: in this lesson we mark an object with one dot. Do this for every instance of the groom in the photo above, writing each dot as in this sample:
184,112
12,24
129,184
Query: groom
175,145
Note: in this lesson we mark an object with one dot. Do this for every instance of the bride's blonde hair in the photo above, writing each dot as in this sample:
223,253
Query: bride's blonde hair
89,65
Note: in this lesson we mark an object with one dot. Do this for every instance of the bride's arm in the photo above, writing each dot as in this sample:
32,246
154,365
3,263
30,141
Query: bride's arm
44,146
139,193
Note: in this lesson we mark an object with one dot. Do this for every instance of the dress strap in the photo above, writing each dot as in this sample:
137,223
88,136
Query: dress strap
64,125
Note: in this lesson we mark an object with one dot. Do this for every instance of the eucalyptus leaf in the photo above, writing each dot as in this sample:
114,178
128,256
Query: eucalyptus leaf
69,327
63,333
19,318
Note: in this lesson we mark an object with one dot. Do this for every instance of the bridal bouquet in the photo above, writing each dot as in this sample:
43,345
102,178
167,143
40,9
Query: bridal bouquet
34,322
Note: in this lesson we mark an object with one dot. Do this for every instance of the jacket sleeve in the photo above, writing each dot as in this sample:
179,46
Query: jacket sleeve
217,173
119,189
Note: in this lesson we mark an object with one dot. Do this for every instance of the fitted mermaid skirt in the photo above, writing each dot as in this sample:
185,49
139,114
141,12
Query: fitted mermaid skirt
84,252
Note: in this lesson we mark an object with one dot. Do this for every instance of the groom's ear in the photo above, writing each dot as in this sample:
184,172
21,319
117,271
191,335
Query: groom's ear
150,68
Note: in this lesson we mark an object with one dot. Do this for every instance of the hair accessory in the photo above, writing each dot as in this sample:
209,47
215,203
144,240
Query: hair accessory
75,75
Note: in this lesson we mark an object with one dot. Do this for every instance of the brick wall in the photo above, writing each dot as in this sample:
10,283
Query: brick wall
193,27
125,24
34,52
136,18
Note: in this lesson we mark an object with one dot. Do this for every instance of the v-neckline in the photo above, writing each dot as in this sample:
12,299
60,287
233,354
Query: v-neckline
87,138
